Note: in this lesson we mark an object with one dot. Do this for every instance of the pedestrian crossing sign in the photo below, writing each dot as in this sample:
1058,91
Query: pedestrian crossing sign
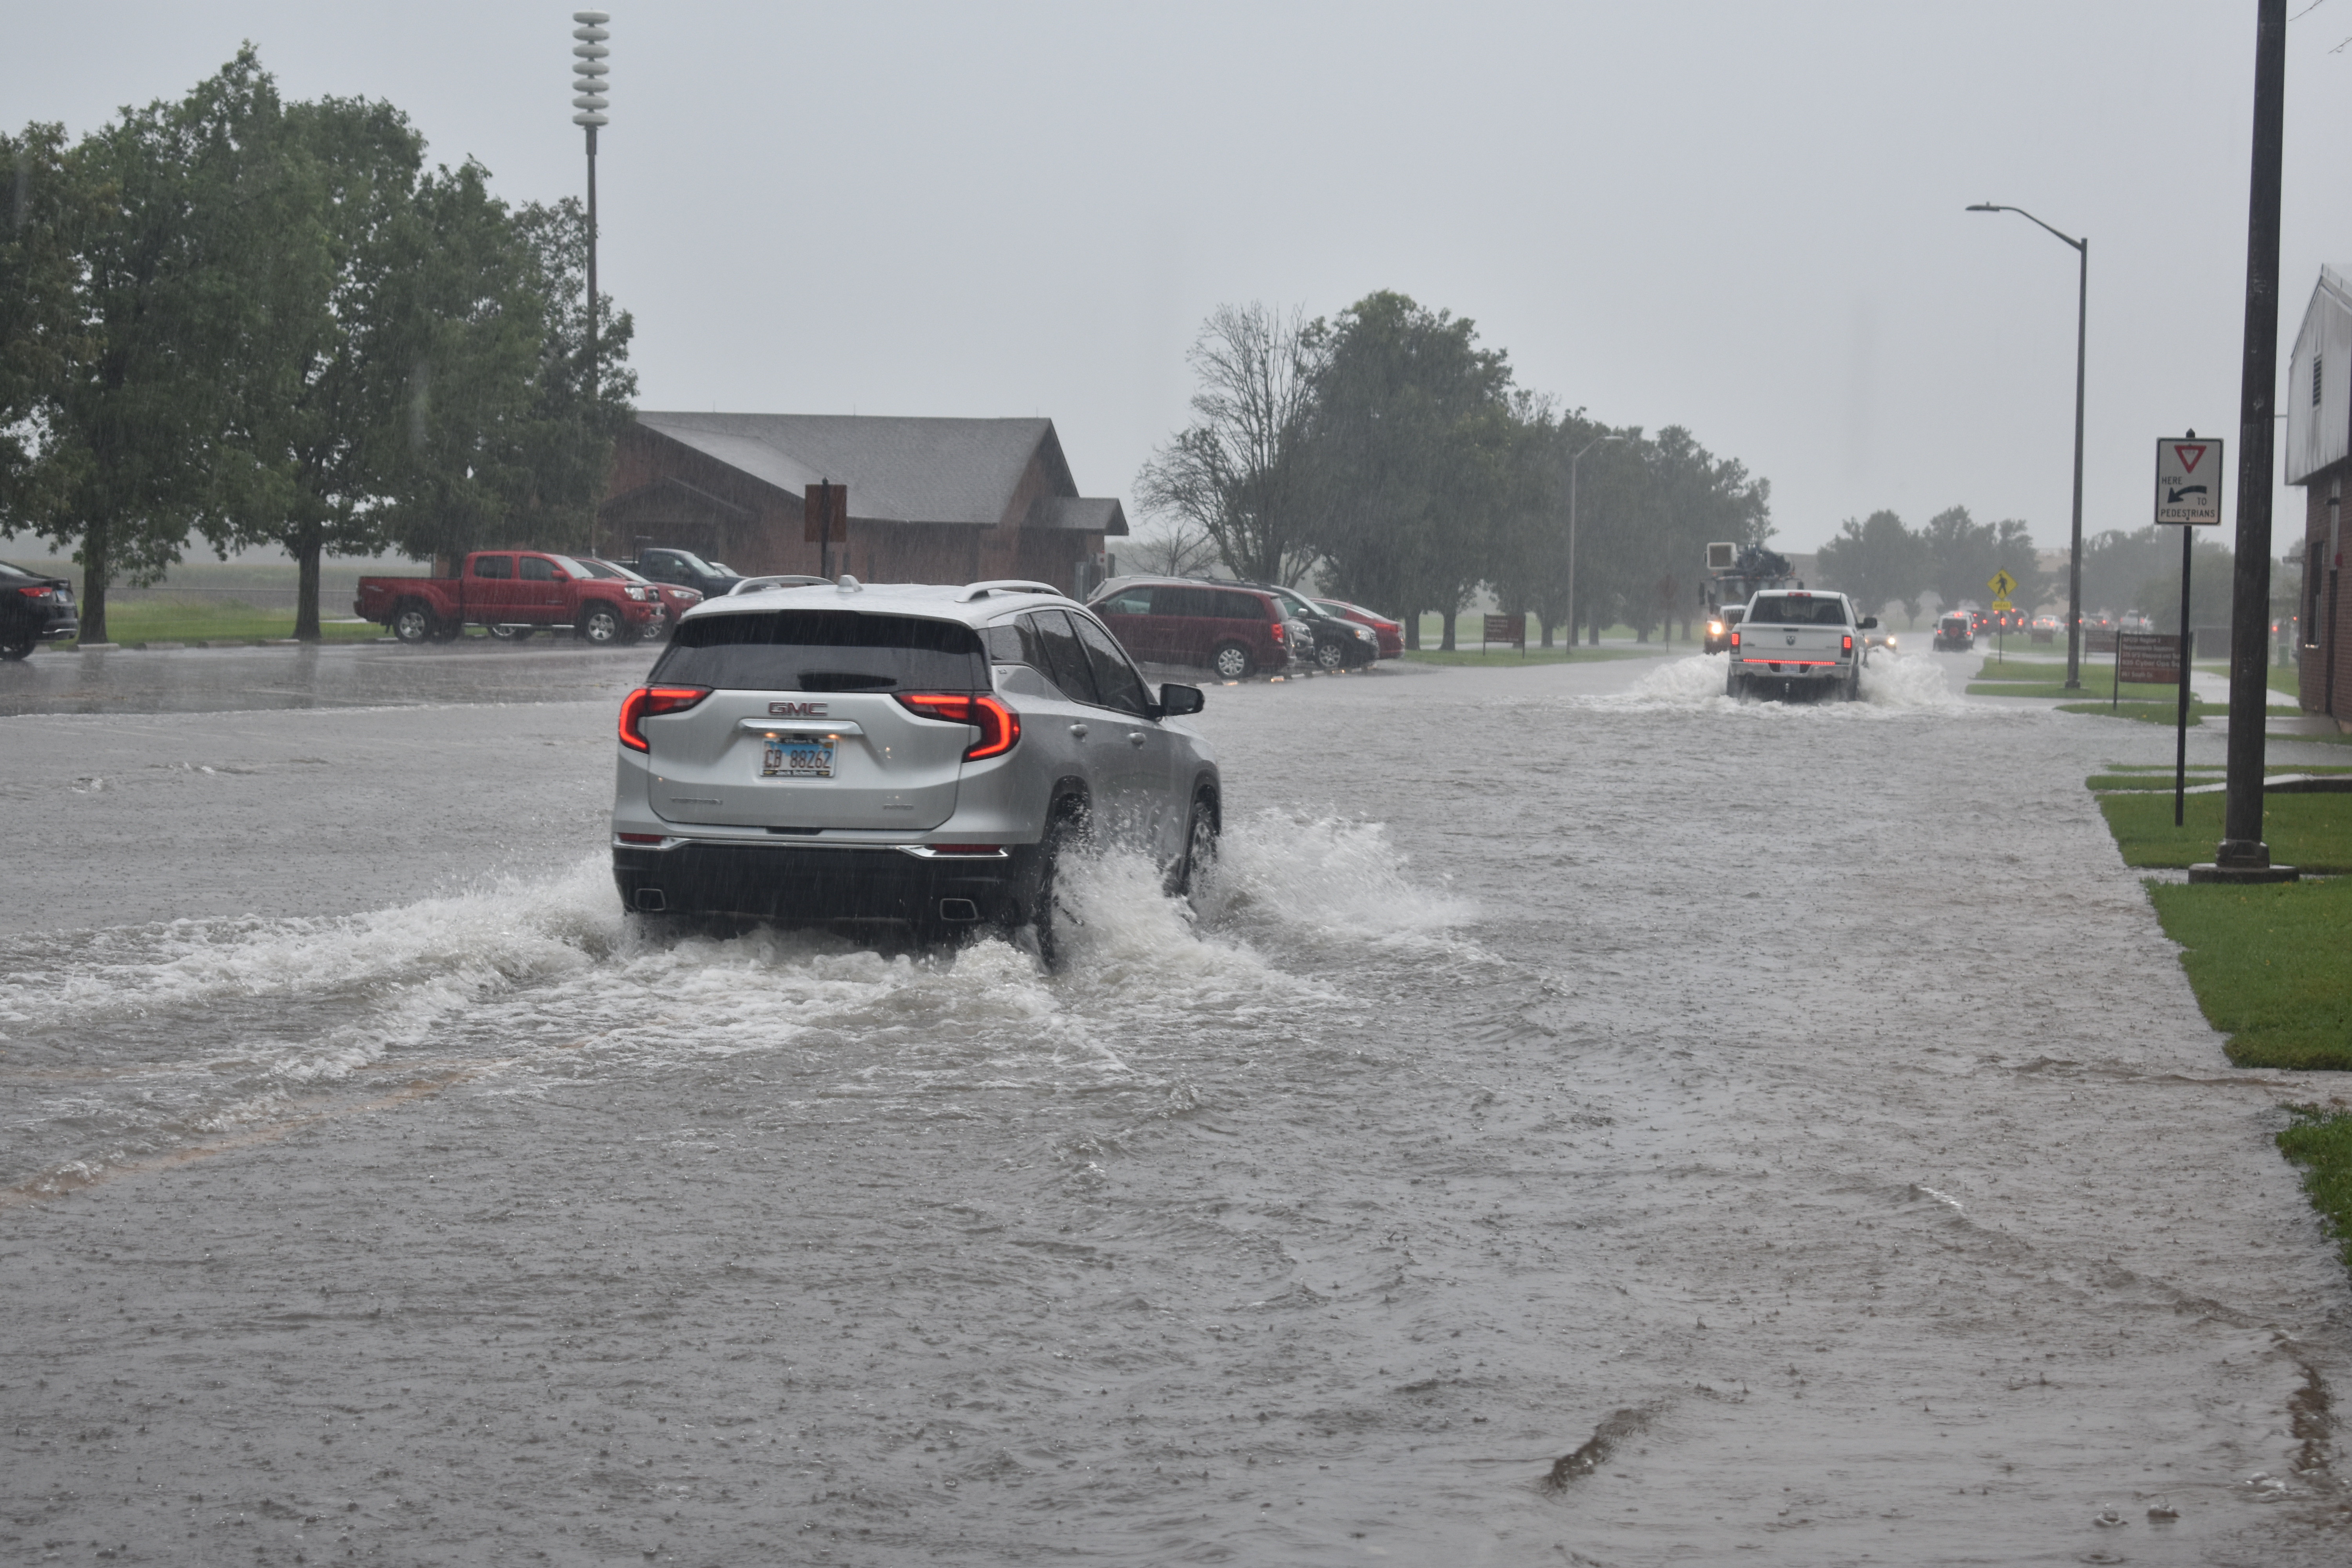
2002,585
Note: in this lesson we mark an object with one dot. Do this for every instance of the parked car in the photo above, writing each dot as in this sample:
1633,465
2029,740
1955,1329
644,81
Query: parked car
514,591
683,569
1388,634
1333,642
1233,630
1720,627
674,600
35,608
1956,632
911,756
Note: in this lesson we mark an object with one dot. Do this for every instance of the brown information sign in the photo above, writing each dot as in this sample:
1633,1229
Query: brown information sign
1510,630
2152,658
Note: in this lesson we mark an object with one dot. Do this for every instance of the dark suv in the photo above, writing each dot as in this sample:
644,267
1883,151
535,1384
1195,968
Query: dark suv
34,608
684,569
1232,630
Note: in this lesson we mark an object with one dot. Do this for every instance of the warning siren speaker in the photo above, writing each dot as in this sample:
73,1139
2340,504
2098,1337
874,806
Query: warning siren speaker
1720,557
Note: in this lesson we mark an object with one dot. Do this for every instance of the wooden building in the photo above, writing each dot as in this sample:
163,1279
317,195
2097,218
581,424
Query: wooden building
2319,459
931,500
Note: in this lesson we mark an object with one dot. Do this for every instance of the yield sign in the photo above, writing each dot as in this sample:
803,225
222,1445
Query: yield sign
2188,482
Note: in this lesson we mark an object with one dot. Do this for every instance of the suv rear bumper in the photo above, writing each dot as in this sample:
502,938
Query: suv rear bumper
806,884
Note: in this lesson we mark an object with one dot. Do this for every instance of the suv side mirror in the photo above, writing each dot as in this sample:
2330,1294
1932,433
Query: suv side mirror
1870,623
1175,700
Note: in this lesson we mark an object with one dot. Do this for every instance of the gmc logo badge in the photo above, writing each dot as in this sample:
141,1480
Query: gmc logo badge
796,709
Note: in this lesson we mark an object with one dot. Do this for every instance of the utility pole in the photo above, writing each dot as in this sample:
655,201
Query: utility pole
2243,855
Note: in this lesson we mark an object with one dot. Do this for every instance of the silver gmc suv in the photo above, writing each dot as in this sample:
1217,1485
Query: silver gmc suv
899,754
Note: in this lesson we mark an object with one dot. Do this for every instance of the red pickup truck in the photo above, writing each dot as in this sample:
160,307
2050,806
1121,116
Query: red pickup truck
513,593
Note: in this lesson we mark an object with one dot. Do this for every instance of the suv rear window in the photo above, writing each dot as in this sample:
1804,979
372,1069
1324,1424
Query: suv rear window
823,650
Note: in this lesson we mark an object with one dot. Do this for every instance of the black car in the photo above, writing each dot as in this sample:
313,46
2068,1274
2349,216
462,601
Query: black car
34,608
683,569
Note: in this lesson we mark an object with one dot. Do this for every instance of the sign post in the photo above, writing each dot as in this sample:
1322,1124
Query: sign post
2188,497
2002,585
824,507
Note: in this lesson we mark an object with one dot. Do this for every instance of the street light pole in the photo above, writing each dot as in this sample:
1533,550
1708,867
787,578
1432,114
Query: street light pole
2082,319
588,86
1569,652
589,102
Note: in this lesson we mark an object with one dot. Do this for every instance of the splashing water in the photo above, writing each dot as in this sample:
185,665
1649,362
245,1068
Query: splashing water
1891,684
209,1025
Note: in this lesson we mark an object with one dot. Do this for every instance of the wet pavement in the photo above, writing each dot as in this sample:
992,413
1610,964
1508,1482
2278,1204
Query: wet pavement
1587,1121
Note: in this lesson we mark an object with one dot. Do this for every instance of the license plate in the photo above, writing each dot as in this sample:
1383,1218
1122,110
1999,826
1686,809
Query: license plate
798,759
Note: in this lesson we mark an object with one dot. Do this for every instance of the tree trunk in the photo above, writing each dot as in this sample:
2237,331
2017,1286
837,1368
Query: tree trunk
1446,644
1412,630
307,546
97,569
1547,630
1593,633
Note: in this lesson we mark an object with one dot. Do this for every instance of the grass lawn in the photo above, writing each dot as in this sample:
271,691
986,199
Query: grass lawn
162,620
2024,669
1504,655
2313,831
2267,964
2321,1143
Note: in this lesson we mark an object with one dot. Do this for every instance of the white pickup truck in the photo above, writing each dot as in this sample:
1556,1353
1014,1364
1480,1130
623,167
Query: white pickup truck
1794,643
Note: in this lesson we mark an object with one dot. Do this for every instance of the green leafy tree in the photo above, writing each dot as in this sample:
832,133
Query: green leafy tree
45,205
1876,562
1407,452
328,334
505,436
125,425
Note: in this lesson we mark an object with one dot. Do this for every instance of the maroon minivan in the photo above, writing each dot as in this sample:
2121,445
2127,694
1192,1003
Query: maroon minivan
1233,631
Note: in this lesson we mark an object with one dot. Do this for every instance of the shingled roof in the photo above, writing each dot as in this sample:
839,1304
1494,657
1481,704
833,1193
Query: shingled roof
898,470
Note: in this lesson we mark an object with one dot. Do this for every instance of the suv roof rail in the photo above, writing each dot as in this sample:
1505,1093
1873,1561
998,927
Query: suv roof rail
1006,585
782,580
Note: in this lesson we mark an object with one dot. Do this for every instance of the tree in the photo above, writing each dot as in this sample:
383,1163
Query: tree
124,429
1234,472
47,206
328,339
1406,453
1875,562
1180,548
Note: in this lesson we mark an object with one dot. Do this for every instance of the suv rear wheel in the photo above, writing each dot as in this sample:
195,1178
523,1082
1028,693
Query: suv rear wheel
1232,660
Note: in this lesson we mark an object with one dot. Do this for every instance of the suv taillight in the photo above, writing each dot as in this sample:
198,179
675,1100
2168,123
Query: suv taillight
651,701
999,726
1277,631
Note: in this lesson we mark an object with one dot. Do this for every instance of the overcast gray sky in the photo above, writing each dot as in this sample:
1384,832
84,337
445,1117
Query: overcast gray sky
1744,218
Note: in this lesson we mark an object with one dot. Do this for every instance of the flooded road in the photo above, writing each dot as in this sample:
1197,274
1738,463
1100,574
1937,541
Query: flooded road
1588,1120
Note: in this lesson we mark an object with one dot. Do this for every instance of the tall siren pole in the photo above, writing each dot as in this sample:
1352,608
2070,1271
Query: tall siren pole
588,85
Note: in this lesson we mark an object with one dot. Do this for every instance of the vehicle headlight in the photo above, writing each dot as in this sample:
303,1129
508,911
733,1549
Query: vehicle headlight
1365,633
636,593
